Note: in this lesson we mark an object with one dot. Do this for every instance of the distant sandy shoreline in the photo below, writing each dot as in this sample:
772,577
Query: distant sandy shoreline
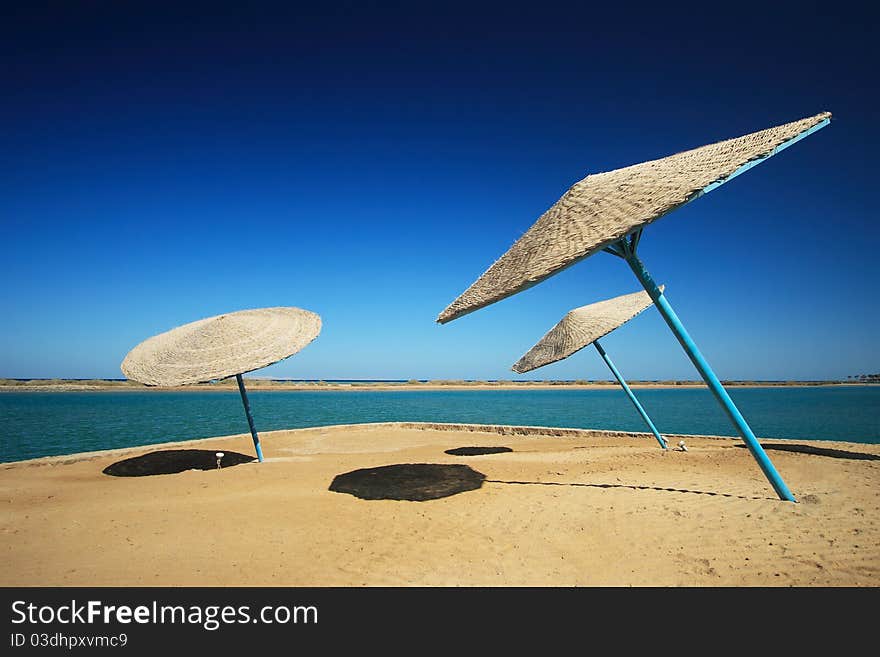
63,385
551,507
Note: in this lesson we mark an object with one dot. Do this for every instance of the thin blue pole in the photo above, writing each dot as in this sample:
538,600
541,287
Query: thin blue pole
630,394
705,370
250,418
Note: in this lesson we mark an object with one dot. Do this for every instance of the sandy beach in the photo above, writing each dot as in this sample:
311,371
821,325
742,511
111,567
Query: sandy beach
561,508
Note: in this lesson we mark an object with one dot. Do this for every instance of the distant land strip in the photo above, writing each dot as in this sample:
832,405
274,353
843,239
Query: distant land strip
263,384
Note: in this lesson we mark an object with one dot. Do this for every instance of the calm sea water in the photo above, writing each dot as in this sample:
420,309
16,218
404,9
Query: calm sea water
37,424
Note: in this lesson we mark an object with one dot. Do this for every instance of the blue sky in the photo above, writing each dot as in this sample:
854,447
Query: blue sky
369,161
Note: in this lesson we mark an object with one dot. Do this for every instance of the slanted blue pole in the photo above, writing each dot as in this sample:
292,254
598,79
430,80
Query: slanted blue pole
630,394
250,418
628,252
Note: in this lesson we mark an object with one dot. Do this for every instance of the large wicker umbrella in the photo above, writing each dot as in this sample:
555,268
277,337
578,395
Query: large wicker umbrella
222,346
583,326
608,211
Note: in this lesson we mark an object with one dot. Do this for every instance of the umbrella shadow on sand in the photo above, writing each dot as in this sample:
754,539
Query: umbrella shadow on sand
414,482
477,451
172,461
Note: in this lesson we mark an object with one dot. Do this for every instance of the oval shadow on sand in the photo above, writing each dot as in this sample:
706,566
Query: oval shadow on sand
172,461
819,451
477,451
414,482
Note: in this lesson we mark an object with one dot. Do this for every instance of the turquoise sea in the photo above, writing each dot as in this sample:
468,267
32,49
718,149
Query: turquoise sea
35,424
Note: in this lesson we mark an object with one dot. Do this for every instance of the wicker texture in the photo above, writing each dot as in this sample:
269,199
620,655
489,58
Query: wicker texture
581,327
221,346
605,207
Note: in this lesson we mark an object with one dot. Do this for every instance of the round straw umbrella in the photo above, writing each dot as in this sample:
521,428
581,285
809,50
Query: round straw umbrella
583,326
608,211
222,346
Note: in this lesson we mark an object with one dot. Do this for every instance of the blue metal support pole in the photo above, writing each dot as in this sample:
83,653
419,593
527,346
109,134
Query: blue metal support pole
630,394
250,418
629,254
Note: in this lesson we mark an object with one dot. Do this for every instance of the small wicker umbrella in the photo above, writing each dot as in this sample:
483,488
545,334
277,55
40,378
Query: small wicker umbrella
222,346
608,211
583,326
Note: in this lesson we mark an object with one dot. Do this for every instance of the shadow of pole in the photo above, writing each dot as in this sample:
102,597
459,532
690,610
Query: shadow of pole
819,451
630,486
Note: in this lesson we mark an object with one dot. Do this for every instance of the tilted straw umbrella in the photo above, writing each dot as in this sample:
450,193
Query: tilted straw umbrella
223,346
583,326
608,211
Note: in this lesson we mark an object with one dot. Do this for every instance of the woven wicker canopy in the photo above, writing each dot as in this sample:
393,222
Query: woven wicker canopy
581,327
605,207
221,346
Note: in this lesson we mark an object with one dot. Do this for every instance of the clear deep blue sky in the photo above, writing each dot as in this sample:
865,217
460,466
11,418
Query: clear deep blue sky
369,162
